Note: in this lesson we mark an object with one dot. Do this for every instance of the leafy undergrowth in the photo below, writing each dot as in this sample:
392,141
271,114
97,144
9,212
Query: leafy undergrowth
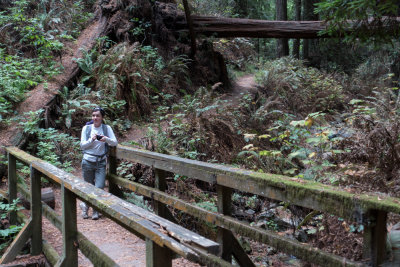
303,123
33,35
7,231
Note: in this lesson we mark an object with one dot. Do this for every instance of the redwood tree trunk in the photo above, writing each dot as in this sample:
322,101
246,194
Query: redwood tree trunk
281,15
297,17
241,8
310,47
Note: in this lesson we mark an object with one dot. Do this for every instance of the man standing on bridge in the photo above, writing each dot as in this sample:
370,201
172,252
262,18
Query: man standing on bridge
96,137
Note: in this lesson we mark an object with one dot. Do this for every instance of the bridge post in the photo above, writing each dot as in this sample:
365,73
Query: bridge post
224,236
69,228
375,233
12,185
36,213
160,183
156,255
112,159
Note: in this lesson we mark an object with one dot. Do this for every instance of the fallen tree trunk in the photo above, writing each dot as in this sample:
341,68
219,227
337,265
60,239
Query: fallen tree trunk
175,20
235,27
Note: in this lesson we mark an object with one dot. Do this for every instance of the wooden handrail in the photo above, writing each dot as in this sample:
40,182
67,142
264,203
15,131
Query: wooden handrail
368,209
293,247
300,192
161,232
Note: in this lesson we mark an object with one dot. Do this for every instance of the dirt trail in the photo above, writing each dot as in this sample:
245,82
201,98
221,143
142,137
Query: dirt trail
243,85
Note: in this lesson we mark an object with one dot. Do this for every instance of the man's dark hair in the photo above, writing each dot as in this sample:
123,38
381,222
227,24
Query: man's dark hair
102,112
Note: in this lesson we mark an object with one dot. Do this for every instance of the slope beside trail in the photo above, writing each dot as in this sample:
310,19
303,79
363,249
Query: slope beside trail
45,92
244,84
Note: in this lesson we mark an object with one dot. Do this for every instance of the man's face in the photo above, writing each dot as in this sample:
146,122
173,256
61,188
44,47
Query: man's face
97,118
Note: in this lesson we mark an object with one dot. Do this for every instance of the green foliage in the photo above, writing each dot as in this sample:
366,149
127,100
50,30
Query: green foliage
375,121
127,75
301,89
366,20
123,170
7,232
44,25
304,148
73,102
51,145
138,201
31,34
208,205
18,75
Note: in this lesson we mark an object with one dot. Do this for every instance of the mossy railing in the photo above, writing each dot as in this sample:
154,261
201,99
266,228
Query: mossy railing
163,238
370,210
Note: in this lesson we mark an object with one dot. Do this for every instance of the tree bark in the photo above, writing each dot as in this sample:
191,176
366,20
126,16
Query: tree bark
234,27
310,47
296,43
241,8
282,47
174,21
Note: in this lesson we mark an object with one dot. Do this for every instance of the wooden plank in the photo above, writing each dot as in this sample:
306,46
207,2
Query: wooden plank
240,255
36,213
90,250
50,253
157,256
93,253
224,206
69,228
292,247
375,231
304,193
166,162
12,185
19,242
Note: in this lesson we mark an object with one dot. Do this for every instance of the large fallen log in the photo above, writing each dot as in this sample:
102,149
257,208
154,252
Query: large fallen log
174,20
235,27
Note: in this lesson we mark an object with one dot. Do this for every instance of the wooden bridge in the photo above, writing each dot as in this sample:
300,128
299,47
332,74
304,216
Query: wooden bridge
164,238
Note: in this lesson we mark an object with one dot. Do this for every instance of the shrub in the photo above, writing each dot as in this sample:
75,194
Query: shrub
303,90
7,231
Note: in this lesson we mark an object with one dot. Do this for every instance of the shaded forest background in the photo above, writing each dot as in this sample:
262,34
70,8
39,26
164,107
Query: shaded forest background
324,109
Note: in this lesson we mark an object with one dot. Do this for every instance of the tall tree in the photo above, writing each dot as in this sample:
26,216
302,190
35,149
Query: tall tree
297,17
241,8
281,14
310,46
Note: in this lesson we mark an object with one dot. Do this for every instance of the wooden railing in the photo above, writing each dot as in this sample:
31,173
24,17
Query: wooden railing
163,238
369,210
